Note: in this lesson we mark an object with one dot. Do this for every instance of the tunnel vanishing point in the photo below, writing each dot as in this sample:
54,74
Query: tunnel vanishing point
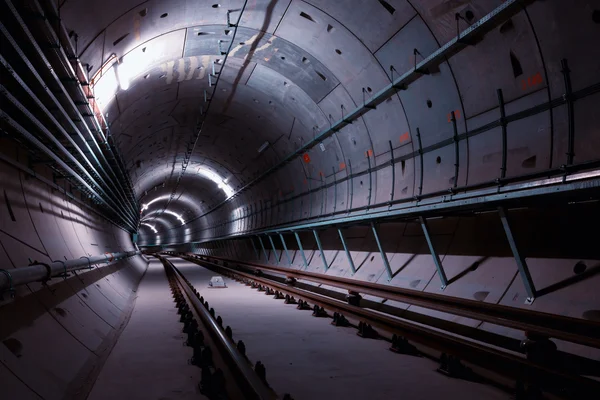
299,199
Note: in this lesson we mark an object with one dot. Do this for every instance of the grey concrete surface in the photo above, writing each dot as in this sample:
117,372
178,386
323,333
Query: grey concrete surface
311,359
149,361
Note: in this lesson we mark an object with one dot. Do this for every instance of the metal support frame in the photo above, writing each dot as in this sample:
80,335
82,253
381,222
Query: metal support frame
352,267
287,253
255,249
386,263
301,250
434,254
263,249
521,264
321,249
274,250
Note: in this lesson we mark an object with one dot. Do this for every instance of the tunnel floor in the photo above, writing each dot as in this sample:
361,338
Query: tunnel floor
304,356
149,360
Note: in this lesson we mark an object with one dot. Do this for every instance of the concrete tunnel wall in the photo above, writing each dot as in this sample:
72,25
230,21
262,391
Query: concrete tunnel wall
54,338
522,57
74,326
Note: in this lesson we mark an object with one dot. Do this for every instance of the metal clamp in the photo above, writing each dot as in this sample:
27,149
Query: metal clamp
64,275
11,288
89,262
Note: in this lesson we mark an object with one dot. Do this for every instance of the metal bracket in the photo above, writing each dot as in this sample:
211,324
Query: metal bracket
434,254
352,267
521,263
325,265
301,250
383,255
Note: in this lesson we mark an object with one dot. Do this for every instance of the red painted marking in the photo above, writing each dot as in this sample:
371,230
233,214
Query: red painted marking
532,81
369,153
305,181
456,115
404,137
342,166
306,158
321,173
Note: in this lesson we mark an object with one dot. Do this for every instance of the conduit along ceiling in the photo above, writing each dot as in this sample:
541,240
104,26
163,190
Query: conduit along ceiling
201,106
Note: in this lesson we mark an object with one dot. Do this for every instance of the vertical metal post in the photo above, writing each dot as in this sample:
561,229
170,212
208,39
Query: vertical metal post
287,253
301,250
393,173
434,254
347,252
521,264
263,249
321,250
456,150
274,250
386,263
504,135
421,162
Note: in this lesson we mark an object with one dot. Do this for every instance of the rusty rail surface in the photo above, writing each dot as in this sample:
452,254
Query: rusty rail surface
570,329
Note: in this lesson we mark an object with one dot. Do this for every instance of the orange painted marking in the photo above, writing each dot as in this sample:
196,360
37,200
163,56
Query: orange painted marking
456,114
532,81
305,181
321,173
342,166
306,158
369,153
404,137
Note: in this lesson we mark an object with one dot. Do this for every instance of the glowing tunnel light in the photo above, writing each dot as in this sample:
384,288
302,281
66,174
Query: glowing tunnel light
216,178
145,206
150,226
178,216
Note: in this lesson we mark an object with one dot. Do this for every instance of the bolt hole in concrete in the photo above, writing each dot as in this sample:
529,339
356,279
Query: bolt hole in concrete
438,160
216,5
143,12
14,346
429,104
60,311
372,258
164,15
338,51
579,268
469,15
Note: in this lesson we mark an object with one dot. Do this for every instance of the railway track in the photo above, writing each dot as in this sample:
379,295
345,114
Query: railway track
536,371
226,371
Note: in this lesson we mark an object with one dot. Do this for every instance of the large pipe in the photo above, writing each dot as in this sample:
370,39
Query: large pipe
9,279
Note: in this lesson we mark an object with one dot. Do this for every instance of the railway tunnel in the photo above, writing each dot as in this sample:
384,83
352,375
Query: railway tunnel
299,199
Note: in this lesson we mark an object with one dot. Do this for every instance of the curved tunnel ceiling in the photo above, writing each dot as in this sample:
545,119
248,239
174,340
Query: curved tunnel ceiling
296,67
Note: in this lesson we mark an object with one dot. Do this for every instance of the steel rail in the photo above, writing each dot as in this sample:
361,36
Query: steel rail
504,363
585,332
40,272
97,158
469,36
245,376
